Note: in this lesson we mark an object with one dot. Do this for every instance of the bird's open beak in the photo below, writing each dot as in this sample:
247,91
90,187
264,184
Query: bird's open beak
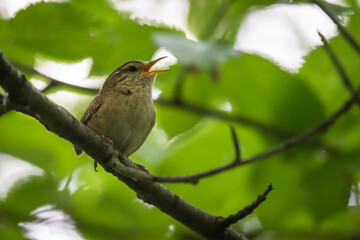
148,66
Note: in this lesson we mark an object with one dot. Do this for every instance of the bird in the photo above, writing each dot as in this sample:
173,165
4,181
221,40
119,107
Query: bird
123,111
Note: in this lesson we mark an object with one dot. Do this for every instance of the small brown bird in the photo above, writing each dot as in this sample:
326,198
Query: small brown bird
123,111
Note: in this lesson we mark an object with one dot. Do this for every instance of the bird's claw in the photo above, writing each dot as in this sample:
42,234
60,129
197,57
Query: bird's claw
142,167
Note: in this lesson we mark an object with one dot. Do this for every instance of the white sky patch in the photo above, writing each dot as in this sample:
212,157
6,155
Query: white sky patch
338,2
226,106
9,8
52,224
12,171
75,181
251,224
170,231
68,99
156,93
284,33
74,73
166,62
172,13
39,84
141,202
354,196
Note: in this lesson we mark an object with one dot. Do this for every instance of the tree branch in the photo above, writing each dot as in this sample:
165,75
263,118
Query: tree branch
236,144
320,127
25,98
222,115
341,28
53,82
226,222
346,81
338,66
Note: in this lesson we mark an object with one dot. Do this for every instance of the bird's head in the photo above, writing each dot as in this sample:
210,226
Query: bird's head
133,73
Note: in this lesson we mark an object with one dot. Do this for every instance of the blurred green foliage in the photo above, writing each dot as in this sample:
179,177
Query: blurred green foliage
312,184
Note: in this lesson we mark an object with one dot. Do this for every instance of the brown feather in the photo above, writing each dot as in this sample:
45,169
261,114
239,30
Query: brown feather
88,114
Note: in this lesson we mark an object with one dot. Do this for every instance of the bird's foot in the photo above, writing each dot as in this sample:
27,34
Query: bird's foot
95,166
108,140
143,168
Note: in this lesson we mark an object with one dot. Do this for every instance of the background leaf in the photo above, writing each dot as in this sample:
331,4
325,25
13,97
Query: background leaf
316,184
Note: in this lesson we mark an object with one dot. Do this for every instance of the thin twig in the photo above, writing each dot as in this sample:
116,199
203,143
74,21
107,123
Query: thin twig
321,126
226,222
344,77
223,115
179,83
341,28
236,144
52,81
339,67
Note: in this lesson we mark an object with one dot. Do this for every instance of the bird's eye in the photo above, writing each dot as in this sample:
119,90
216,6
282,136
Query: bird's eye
132,69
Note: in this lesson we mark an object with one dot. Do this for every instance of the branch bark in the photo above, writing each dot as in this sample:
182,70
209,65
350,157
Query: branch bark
26,99
246,210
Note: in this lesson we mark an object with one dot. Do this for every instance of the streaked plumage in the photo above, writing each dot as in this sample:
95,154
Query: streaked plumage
123,111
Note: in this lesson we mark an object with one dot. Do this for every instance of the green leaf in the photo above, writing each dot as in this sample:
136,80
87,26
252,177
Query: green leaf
69,32
202,55
205,17
326,189
175,121
259,90
337,10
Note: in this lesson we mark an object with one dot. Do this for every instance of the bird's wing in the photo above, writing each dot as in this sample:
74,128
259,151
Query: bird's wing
88,114
91,110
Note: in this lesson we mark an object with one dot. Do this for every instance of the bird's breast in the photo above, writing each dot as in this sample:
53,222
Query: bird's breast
131,118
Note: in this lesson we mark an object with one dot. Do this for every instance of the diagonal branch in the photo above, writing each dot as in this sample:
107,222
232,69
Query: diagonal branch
346,81
52,81
296,140
341,28
236,144
223,115
226,222
339,67
26,99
